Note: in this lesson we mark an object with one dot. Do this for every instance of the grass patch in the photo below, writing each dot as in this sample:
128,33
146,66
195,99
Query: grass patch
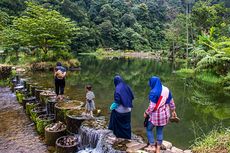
208,77
89,54
4,83
185,72
217,141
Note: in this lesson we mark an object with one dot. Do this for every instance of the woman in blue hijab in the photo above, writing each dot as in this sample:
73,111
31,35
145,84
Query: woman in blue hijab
120,119
161,104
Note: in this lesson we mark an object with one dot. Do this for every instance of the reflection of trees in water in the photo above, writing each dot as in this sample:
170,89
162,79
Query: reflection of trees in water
135,72
208,101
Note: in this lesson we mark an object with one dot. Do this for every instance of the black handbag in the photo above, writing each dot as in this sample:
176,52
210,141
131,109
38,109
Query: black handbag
146,121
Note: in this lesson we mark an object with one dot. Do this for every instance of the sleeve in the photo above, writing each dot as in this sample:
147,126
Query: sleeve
117,97
170,101
150,108
90,96
169,98
172,105
93,96
113,106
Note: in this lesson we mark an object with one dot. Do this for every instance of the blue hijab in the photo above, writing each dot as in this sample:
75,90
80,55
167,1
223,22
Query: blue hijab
123,93
156,88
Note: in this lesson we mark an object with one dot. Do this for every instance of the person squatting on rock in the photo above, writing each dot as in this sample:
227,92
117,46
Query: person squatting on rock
158,112
59,74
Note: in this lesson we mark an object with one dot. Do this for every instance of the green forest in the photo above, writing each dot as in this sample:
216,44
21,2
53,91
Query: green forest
194,34
50,30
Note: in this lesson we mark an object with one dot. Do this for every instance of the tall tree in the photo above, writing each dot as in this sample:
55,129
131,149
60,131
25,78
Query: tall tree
45,29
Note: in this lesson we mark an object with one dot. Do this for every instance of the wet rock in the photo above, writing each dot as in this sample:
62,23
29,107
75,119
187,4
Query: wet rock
149,149
141,151
56,126
131,144
67,141
176,150
111,140
166,151
167,145
135,147
187,151
96,123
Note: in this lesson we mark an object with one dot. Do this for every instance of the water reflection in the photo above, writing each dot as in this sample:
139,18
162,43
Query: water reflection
199,106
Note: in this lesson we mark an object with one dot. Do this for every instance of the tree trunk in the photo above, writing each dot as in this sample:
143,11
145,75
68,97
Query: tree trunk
45,46
16,52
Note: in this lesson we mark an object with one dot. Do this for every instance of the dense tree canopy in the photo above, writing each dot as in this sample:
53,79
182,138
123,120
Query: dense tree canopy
119,24
39,28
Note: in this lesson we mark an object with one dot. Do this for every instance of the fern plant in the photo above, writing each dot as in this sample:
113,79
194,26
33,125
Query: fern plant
213,54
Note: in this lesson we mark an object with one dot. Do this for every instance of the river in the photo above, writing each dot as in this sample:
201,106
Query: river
201,107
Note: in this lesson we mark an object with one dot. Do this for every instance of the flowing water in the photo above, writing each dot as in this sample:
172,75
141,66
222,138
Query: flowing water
201,107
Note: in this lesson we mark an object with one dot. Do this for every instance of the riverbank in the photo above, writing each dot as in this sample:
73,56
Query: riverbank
217,141
17,132
102,53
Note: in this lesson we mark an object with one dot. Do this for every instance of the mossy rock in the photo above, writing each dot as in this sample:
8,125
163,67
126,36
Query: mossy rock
19,96
28,84
96,123
29,107
62,107
36,112
33,88
74,119
52,136
121,145
75,112
45,95
42,121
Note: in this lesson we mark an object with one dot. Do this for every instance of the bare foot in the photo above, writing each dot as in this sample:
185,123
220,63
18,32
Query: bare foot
151,149
158,149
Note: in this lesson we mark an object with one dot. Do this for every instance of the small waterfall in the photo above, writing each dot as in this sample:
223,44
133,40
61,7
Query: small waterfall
90,137
93,135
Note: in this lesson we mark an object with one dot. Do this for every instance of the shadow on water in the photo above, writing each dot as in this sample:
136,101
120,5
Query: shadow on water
199,106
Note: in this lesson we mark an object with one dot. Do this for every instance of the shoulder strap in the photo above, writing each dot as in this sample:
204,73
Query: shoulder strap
158,103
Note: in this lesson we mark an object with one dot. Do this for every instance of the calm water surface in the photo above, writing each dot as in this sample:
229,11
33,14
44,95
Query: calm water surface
201,107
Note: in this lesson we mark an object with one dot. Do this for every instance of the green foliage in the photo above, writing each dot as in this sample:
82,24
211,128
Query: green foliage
4,19
38,31
215,141
29,107
3,83
45,29
41,124
209,78
107,20
185,72
226,82
205,15
213,54
19,97
176,36
12,7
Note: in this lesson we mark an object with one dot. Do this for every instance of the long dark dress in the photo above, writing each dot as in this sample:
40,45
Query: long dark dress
120,123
